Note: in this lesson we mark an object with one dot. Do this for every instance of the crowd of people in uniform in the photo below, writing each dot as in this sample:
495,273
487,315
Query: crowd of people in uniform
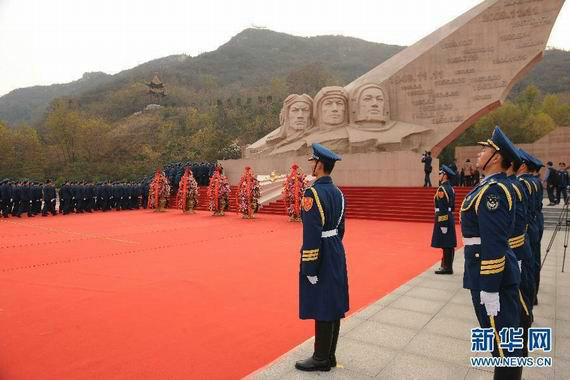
33,198
502,226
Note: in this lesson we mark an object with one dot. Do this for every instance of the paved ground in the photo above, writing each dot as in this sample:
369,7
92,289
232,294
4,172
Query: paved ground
422,330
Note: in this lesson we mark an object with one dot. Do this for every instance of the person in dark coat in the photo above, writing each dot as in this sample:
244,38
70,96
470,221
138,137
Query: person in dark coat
36,192
26,199
563,182
49,196
323,279
17,199
6,198
426,159
444,227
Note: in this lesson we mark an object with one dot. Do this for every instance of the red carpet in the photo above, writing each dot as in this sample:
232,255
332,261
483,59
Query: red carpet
141,295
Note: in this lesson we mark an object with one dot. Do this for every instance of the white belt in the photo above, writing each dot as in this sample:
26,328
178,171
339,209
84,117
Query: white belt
437,209
330,233
472,241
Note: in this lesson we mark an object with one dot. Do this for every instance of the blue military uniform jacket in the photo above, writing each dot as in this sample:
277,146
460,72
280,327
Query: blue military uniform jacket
444,202
487,223
322,253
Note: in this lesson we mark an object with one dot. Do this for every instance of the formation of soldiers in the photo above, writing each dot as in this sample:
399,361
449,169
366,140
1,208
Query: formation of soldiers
502,226
80,197
202,171
32,198
26,197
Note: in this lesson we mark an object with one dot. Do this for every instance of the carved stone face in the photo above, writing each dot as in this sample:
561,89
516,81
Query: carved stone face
371,104
333,110
299,114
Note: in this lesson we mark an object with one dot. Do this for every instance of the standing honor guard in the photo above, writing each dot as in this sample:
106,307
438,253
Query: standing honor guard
247,197
444,227
187,197
491,269
323,279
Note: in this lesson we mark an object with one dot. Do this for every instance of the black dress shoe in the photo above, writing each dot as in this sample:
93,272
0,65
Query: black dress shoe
443,271
312,364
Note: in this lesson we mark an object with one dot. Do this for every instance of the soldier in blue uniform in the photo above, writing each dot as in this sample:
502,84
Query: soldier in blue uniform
491,269
536,222
323,279
444,227
520,244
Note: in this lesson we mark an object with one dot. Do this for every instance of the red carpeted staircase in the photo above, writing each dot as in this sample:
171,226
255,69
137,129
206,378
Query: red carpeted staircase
409,204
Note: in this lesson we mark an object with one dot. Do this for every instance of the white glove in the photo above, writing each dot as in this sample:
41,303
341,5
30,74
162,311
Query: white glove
491,302
313,279
443,230
520,265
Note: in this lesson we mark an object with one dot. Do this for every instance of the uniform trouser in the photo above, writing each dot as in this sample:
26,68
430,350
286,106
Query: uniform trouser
509,316
550,191
25,207
49,206
427,180
118,203
326,338
67,206
145,202
561,190
6,208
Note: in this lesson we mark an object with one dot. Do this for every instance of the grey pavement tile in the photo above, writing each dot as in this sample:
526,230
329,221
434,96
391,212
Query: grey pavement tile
451,327
440,347
538,373
400,317
436,284
432,294
563,313
403,289
562,346
363,358
562,329
418,304
454,278
455,310
382,334
279,368
561,368
543,322
545,311
335,373
410,366
415,281
349,323
369,311
463,297
478,374
387,299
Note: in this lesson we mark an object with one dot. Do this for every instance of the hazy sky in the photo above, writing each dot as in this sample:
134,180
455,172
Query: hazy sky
56,41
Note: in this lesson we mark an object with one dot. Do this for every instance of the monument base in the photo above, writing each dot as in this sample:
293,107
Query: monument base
357,169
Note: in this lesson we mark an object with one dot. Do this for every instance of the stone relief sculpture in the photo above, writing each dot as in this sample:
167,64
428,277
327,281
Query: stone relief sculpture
426,95
295,119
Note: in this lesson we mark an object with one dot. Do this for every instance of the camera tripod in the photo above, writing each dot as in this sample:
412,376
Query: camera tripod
563,220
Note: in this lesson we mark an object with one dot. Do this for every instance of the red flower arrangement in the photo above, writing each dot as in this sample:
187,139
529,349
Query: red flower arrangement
219,193
293,190
187,197
159,190
247,198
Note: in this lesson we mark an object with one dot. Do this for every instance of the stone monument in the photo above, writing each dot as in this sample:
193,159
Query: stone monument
420,99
